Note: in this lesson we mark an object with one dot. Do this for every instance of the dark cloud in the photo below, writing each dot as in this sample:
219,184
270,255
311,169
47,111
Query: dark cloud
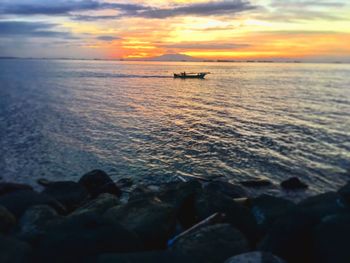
63,7
70,8
107,38
199,9
31,29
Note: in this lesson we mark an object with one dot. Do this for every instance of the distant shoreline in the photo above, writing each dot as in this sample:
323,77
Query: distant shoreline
203,61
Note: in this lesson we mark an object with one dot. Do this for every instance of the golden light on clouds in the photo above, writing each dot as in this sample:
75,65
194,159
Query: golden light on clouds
214,29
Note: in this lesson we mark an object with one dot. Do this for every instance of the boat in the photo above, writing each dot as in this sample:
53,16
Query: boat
184,75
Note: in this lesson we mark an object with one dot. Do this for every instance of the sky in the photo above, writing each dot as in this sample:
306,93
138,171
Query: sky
310,30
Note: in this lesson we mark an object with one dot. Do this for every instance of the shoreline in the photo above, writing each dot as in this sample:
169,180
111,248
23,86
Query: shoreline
193,220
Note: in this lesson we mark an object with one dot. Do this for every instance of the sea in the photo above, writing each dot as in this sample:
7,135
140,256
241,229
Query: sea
62,118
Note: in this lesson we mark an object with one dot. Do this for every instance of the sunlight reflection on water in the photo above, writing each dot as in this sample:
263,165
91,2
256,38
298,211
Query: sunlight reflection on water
60,119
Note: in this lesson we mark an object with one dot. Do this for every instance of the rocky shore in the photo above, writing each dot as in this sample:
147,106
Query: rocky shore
98,220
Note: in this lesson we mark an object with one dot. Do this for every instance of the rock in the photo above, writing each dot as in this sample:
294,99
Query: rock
293,183
331,239
14,251
255,257
256,183
231,190
125,182
70,194
43,182
82,238
344,192
146,257
98,182
99,205
323,205
152,220
182,197
266,209
212,243
34,221
141,192
290,237
239,216
18,202
6,188
7,220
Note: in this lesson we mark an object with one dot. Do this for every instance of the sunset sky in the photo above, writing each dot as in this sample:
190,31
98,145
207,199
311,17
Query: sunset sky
314,30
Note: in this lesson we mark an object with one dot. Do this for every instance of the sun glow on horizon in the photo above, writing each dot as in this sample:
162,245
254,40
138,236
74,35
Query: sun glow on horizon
204,29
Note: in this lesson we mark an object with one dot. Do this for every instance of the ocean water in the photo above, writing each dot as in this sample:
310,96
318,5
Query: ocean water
60,119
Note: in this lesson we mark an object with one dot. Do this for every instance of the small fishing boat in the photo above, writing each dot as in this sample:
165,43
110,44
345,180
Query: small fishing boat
184,75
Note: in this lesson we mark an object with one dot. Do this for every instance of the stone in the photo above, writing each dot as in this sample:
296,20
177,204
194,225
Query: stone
182,195
68,193
18,202
239,216
226,188
293,183
98,182
14,251
266,209
344,193
331,240
125,182
82,238
34,221
7,220
152,220
259,182
323,205
99,205
255,257
146,257
213,243
6,188
290,237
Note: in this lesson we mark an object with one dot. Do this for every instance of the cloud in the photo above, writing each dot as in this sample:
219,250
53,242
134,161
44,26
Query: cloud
199,9
107,38
72,8
31,29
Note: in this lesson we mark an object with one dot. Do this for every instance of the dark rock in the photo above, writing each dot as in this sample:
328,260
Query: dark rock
70,194
34,221
7,220
98,182
266,209
231,190
182,197
152,220
6,188
82,238
212,243
323,205
331,239
239,216
256,183
141,192
290,237
43,182
344,192
18,202
255,257
146,257
293,183
14,251
99,205
125,182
